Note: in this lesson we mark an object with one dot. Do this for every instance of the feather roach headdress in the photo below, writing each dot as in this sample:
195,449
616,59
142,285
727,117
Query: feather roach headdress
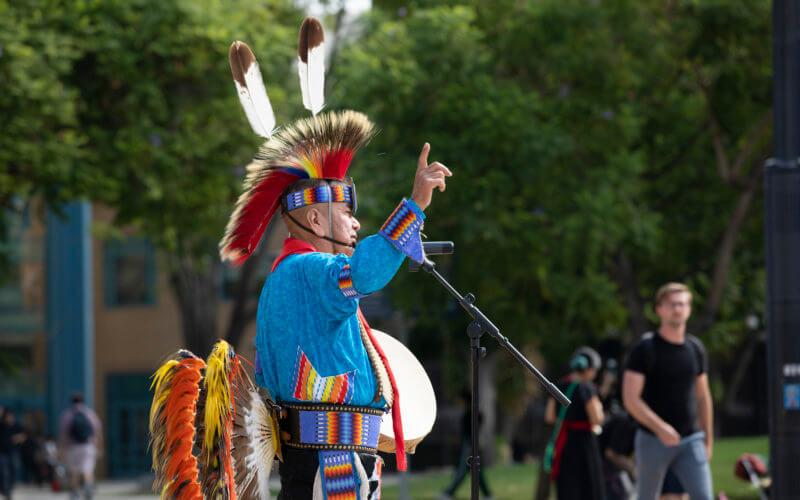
320,147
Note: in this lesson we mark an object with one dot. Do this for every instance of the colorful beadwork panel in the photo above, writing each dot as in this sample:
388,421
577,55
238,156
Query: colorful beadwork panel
339,478
336,427
346,284
319,194
311,386
402,230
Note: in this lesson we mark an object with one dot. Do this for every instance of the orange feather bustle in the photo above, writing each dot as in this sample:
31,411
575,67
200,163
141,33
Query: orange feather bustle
181,407
172,426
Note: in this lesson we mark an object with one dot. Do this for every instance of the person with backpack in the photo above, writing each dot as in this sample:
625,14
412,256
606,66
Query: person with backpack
665,389
79,442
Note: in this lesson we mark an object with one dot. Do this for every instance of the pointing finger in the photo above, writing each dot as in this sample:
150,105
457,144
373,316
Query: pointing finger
423,156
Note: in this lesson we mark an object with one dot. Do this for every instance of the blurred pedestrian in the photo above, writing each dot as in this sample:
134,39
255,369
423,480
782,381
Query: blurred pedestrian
665,388
11,435
616,447
30,451
79,441
54,468
573,455
466,451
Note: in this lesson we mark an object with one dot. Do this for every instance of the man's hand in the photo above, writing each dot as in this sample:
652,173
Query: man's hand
668,435
709,449
428,178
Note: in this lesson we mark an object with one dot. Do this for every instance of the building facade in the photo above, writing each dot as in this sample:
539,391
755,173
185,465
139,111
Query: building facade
83,313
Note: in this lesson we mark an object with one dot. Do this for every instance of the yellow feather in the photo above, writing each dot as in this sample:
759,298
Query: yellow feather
218,392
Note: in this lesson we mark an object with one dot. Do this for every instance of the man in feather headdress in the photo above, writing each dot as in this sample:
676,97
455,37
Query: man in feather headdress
329,380
313,343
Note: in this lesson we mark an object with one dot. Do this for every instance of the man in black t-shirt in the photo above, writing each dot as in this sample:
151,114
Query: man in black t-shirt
665,388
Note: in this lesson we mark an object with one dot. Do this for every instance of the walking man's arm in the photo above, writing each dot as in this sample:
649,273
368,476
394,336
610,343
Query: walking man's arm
632,386
705,411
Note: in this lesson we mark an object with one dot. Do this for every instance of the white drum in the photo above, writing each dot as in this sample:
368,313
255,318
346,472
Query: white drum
417,399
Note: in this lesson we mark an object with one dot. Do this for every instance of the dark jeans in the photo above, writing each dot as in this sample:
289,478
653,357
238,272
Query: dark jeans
6,474
461,471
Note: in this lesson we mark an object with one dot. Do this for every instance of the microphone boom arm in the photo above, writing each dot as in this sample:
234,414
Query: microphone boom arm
468,303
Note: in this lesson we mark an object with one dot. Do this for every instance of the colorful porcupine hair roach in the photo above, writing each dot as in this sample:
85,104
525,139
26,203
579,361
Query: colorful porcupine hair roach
320,147
310,148
172,426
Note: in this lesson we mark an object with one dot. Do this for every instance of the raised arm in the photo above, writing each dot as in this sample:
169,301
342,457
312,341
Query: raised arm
632,386
401,230
377,258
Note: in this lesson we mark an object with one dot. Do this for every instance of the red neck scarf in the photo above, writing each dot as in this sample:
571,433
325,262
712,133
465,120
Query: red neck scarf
294,246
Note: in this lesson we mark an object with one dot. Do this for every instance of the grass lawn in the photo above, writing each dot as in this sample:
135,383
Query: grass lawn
516,481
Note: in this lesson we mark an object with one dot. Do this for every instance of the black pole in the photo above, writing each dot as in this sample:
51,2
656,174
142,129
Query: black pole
487,326
782,241
475,330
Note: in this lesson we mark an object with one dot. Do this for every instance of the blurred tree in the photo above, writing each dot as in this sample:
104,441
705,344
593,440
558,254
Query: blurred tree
599,149
131,102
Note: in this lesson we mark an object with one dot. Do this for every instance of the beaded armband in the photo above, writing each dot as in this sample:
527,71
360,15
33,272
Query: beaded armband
402,230
346,284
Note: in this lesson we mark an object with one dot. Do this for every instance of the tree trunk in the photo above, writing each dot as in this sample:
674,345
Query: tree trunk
245,305
623,274
724,255
197,298
743,361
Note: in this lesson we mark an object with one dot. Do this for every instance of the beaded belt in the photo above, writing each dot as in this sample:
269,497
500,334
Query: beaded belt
331,427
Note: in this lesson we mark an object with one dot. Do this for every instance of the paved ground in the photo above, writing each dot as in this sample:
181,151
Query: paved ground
106,490
129,490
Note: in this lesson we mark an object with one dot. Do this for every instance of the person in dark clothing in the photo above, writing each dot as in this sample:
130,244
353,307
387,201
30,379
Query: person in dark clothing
665,388
616,447
466,449
576,467
11,434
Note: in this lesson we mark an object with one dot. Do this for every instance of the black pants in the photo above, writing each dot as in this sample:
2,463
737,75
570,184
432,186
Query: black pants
6,474
298,471
461,471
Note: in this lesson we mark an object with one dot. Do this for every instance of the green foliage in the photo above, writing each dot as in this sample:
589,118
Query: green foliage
132,103
581,133
578,132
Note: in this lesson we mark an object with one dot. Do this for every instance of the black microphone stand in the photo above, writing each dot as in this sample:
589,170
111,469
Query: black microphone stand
475,331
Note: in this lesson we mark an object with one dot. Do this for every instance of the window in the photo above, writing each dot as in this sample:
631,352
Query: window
129,272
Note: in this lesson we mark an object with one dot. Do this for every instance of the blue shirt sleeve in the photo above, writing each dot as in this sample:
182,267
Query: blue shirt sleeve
340,280
373,264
